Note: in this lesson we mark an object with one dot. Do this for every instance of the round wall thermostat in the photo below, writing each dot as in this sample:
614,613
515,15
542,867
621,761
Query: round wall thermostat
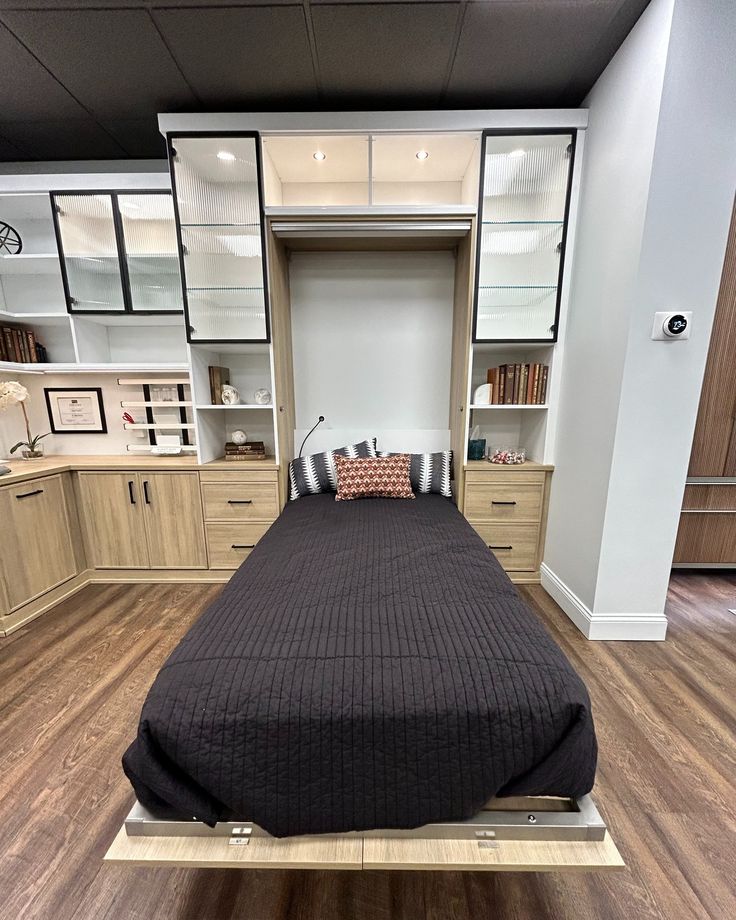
675,324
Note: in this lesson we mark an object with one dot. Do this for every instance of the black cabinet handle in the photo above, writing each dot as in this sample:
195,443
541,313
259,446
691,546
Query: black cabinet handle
494,502
240,501
242,546
28,494
145,492
493,546
130,491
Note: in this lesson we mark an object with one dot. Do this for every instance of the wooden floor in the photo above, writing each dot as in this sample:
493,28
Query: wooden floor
71,687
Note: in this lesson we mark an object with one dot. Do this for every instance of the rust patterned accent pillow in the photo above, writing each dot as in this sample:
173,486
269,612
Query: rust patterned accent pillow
377,477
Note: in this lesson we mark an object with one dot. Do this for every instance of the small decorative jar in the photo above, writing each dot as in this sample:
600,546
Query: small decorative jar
476,448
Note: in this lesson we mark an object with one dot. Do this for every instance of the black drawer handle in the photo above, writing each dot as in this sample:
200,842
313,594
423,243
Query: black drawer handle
28,494
145,492
494,502
493,546
130,492
242,546
240,501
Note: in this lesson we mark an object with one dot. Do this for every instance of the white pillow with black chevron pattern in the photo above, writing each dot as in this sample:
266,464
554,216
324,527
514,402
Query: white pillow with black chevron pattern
316,473
429,472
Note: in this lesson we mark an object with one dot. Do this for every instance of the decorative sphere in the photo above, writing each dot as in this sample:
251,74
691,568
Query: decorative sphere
230,396
262,397
239,437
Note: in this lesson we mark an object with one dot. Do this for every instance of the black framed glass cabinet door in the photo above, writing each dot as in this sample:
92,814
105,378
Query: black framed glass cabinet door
524,205
217,189
118,251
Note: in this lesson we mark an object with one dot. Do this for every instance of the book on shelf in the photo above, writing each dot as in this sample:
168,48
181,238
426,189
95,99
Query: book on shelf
219,377
249,447
518,384
20,346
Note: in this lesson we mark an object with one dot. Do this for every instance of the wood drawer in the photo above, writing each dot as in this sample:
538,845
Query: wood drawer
240,501
514,545
709,497
504,501
238,475
706,539
229,544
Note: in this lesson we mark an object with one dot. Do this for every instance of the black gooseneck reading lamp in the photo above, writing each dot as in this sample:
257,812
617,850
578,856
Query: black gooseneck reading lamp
319,422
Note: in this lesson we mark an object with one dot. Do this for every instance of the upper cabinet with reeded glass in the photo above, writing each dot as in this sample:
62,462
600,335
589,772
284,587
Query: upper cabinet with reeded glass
217,189
118,252
523,212
381,171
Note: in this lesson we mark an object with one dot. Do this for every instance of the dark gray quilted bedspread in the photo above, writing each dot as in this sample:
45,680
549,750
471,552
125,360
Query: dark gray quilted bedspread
370,665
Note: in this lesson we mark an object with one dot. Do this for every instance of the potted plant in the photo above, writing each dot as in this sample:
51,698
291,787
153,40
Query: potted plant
12,392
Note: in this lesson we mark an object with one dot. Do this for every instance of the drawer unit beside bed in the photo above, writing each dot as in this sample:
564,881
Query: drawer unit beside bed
507,506
239,507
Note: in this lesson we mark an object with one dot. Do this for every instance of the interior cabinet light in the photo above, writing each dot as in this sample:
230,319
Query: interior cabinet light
225,155
318,155
518,153
422,154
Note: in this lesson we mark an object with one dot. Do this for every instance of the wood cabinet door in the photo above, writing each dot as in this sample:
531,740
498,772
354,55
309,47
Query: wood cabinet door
112,510
37,553
173,514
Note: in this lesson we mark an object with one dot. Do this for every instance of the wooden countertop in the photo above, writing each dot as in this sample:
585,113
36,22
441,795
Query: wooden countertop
485,466
23,470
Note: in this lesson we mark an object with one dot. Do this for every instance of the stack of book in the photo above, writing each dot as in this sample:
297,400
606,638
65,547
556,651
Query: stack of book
518,384
20,345
253,450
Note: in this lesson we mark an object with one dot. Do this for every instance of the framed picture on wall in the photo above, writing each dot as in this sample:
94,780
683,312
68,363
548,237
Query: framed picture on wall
77,411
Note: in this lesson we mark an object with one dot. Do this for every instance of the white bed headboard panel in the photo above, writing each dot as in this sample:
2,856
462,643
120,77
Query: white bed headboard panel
372,335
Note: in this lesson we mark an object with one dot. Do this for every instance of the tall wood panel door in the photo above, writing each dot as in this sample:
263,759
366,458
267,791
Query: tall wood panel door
112,507
174,523
40,554
714,445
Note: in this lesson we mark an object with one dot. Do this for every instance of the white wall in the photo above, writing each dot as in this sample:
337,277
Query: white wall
657,192
115,441
372,336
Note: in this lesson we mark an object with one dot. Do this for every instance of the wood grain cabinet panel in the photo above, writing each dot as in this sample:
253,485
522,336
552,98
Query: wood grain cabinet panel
229,545
172,510
238,501
112,511
706,539
514,545
504,501
40,554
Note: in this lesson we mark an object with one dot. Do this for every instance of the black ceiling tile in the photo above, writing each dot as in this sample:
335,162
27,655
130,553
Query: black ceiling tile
70,139
27,90
113,61
139,137
242,56
10,153
393,51
524,52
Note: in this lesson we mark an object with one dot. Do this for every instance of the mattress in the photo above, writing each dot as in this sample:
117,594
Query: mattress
370,665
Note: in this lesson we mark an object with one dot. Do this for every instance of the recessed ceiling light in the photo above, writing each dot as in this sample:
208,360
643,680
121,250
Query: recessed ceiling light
422,154
518,153
318,155
225,155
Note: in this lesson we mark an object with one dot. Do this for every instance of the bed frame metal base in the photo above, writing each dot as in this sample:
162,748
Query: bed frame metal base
523,818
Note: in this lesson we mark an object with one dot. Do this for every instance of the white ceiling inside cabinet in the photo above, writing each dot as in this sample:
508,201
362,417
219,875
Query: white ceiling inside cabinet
341,157
447,157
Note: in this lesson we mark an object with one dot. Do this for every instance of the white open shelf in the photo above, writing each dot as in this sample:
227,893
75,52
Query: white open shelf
268,406
474,406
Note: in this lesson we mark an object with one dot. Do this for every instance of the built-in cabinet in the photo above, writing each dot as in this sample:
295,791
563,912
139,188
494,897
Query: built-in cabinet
507,506
217,189
118,251
40,554
141,520
707,532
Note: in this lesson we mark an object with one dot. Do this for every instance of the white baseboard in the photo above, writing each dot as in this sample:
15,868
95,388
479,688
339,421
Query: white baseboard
647,627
